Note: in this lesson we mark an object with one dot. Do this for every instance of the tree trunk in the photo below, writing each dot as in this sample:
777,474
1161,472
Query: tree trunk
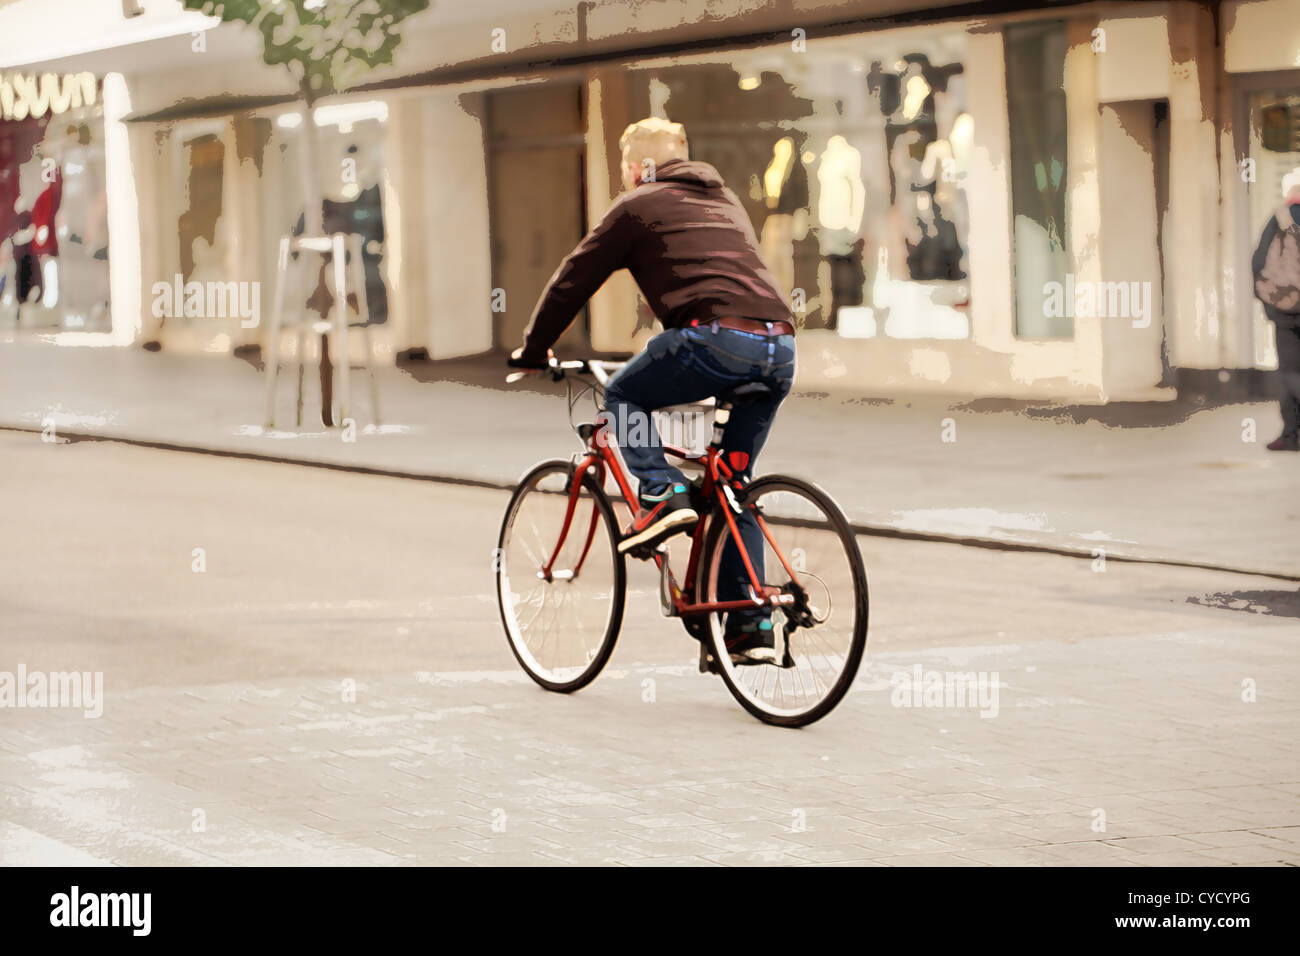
313,225
312,216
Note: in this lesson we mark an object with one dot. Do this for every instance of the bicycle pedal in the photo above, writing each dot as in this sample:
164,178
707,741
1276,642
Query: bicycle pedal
707,664
642,552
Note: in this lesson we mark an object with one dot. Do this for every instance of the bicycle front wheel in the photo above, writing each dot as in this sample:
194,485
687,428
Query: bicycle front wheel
561,621
803,549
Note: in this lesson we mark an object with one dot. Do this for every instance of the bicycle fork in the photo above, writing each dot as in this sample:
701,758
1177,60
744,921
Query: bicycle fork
573,487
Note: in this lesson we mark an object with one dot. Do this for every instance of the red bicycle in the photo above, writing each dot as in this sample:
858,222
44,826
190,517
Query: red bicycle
561,580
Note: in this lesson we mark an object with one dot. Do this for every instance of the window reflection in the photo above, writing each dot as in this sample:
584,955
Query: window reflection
851,160
350,168
53,223
1035,54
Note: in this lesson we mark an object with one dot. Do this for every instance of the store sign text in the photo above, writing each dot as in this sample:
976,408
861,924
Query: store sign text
22,96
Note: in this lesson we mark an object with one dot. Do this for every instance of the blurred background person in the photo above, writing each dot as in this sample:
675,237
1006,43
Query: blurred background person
1276,268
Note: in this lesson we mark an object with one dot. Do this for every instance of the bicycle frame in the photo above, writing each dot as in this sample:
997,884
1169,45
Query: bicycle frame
718,486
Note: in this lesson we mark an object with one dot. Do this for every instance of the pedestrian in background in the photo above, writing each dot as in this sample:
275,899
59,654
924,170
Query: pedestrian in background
1276,268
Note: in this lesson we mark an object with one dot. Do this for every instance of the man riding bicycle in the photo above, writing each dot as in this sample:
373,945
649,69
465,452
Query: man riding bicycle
692,251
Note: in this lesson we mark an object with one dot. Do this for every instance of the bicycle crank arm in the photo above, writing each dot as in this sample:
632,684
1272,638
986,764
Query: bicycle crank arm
786,660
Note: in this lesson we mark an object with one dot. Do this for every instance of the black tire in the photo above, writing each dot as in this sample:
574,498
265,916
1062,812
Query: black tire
559,469
717,535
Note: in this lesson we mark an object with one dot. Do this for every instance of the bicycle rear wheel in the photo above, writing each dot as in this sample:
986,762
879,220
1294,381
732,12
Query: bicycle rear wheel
810,553
562,626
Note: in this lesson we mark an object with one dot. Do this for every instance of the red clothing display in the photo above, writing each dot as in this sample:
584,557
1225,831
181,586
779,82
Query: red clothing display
46,242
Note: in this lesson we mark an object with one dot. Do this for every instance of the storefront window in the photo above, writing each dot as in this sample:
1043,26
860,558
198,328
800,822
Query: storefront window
202,233
198,234
244,175
1035,55
350,170
53,210
851,160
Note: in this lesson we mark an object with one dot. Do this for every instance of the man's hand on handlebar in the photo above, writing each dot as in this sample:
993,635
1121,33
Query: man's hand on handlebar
524,367
557,370
530,366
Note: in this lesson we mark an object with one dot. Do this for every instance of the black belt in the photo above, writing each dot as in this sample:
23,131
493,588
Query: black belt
752,326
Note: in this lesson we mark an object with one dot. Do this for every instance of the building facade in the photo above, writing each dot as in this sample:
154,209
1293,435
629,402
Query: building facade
1038,200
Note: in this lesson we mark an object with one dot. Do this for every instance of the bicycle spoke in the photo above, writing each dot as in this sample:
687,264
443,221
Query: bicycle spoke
528,598
823,657
532,556
559,626
798,676
541,606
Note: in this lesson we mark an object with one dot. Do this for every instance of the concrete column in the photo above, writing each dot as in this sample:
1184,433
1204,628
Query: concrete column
1130,253
1193,268
124,267
613,307
454,228
152,176
988,193
241,203
1083,213
403,188
1236,242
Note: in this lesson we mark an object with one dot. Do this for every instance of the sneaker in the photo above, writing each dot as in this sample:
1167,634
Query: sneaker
662,516
1284,443
751,643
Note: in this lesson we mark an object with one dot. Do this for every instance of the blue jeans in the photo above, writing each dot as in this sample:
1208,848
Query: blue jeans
686,365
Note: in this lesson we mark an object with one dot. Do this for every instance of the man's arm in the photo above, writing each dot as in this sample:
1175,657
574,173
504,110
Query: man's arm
602,252
1261,251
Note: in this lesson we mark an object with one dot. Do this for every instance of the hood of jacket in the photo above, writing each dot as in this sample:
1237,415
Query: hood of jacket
690,172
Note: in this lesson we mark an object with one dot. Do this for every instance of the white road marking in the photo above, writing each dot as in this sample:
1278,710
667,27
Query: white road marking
20,846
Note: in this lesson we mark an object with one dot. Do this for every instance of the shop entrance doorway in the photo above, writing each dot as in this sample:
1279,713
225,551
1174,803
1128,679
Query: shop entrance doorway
537,189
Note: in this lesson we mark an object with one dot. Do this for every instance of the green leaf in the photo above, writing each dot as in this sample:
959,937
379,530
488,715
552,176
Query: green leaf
327,45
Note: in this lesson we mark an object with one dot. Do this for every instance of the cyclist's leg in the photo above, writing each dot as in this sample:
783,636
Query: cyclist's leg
745,435
659,377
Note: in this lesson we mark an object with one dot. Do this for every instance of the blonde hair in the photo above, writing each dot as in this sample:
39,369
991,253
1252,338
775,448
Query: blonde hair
654,139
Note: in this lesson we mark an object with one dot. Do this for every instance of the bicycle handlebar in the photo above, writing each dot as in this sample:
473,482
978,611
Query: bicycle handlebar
557,370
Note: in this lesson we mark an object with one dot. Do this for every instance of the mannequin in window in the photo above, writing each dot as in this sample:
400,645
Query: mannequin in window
785,196
841,201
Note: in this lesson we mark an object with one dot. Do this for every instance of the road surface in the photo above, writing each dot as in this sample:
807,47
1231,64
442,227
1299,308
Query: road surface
306,666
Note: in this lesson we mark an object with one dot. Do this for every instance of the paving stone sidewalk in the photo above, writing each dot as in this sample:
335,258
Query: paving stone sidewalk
1158,481
1135,750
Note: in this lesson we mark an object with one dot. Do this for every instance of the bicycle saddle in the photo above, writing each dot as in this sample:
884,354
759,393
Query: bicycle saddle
746,394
